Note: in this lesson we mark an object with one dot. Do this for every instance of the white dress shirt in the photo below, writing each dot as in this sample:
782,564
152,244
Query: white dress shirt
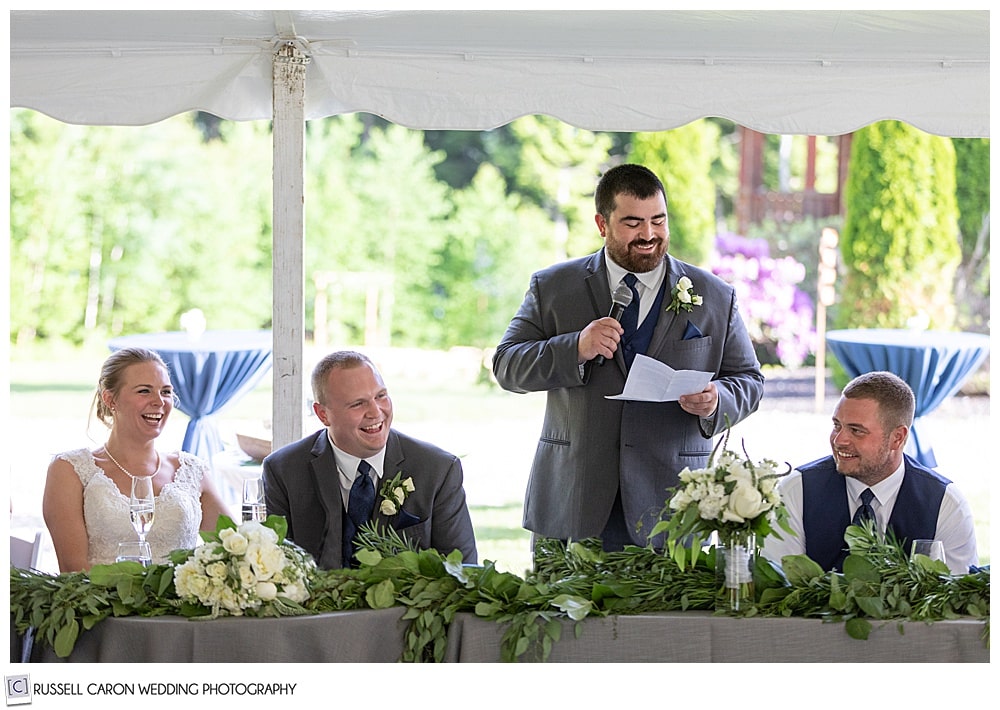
648,284
347,469
955,524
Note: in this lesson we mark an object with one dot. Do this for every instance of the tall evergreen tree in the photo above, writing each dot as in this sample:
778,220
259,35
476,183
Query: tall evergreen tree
972,281
900,242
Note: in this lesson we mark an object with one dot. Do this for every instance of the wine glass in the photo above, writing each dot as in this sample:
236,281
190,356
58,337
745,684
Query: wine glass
141,505
931,548
135,552
254,507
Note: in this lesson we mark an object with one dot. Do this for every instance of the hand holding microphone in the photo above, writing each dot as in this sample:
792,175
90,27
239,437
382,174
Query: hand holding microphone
620,300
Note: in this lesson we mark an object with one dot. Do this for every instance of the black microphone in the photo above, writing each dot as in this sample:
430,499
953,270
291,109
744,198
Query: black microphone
620,300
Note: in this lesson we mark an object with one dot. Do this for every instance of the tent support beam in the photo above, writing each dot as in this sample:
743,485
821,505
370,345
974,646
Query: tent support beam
288,235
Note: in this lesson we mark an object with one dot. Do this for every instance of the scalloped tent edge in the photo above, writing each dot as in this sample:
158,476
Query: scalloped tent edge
796,72
787,72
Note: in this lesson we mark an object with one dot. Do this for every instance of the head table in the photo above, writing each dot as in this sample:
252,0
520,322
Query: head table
934,363
377,636
209,371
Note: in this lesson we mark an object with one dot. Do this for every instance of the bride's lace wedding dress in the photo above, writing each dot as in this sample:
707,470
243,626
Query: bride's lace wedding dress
105,509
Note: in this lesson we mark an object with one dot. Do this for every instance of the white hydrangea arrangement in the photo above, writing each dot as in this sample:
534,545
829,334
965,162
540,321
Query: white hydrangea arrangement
733,491
246,570
731,495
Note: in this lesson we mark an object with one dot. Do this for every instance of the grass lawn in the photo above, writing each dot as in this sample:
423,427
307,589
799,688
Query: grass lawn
494,432
50,402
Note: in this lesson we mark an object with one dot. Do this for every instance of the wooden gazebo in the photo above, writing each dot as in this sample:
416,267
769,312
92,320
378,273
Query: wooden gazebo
756,203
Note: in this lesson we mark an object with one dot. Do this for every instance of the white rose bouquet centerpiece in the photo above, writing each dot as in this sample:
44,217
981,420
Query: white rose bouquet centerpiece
246,570
736,501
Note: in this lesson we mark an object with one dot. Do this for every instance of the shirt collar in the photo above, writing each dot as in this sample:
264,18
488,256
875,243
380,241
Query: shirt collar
347,465
650,280
885,490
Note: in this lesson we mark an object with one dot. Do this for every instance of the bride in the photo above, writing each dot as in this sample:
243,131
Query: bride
86,498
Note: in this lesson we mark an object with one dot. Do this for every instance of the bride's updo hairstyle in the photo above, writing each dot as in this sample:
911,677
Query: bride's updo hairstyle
112,373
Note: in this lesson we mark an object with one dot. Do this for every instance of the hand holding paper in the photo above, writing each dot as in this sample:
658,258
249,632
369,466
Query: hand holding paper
650,380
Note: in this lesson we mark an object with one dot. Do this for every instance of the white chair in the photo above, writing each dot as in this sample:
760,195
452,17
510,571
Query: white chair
24,553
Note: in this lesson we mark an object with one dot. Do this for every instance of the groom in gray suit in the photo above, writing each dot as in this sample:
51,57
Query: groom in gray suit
602,467
318,483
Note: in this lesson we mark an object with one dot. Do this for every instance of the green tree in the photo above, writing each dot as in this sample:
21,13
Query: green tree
900,238
48,254
683,157
972,280
464,152
380,232
725,171
558,165
495,241
121,229
332,211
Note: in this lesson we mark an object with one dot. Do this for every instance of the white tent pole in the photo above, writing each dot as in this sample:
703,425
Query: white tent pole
288,234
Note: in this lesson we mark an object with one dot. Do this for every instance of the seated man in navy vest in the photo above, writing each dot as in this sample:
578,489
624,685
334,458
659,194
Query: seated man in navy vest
870,425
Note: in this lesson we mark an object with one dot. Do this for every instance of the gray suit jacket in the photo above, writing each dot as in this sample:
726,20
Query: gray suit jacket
591,446
301,483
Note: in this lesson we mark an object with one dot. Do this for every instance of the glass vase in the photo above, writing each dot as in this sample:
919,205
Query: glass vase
735,558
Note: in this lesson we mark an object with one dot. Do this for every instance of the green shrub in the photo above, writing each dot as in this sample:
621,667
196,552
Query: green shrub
900,243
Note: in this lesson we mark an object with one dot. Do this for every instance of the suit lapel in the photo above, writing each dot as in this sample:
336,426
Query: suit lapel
600,297
392,464
666,320
597,285
326,480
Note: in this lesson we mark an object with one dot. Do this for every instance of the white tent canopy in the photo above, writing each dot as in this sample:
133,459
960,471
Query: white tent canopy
787,72
805,72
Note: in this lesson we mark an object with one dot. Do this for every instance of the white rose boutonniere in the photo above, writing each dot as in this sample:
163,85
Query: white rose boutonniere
682,296
394,493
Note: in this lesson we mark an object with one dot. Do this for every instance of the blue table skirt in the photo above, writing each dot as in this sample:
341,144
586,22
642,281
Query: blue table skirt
209,372
934,363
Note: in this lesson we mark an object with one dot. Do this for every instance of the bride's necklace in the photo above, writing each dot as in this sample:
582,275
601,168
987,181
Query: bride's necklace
126,471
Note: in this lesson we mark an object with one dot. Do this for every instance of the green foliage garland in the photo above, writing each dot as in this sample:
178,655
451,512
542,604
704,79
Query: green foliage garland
879,583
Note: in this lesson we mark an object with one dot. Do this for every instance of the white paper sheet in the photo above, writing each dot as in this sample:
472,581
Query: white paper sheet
650,380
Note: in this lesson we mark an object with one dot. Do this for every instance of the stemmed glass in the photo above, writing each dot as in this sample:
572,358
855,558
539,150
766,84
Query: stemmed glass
133,551
932,548
141,505
254,507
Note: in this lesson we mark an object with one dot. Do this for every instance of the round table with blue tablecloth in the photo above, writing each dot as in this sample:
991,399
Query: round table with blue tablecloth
209,372
934,363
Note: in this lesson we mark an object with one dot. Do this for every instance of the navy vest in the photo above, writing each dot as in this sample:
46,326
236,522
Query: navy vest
825,513
639,342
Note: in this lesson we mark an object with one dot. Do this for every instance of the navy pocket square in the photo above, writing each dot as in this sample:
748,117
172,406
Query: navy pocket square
403,520
691,332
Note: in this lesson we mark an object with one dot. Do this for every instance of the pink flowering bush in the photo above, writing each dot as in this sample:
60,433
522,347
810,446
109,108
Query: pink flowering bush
778,314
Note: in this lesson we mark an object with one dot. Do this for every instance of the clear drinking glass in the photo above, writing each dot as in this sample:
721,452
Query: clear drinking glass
135,552
254,507
142,506
931,548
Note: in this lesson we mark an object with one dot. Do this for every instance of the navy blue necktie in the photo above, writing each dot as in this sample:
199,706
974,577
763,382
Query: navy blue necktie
630,318
360,505
865,512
